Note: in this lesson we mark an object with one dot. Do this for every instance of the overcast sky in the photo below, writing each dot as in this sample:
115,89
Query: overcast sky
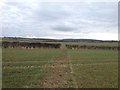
83,20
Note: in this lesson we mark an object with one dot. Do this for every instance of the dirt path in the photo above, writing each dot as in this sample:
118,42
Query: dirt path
59,74
56,73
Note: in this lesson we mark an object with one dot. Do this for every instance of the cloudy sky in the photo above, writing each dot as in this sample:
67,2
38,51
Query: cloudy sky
37,19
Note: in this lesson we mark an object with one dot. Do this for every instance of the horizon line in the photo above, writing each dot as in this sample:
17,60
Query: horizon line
54,38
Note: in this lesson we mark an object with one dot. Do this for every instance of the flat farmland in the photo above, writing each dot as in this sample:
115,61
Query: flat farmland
23,67
60,68
95,68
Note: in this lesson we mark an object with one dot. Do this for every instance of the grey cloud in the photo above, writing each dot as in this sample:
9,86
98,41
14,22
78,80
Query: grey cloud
64,28
51,13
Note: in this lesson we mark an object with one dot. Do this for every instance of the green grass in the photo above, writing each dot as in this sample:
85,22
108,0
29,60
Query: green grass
94,43
95,68
18,54
96,76
93,56
16,78
16,63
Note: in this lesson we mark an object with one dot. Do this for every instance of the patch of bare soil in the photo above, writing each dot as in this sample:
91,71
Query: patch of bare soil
56,73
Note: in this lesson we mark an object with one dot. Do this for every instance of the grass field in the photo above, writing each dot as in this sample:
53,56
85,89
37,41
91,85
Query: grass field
21,66
95,68
74,68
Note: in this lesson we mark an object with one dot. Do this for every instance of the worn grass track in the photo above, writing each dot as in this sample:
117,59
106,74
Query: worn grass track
60,73
56,74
